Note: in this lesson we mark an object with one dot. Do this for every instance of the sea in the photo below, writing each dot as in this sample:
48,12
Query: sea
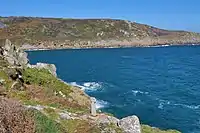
161,85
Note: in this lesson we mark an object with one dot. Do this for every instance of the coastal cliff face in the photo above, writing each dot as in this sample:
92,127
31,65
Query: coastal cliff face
34,100
52,33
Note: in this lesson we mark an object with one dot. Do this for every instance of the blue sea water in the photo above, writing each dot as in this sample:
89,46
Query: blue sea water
161,85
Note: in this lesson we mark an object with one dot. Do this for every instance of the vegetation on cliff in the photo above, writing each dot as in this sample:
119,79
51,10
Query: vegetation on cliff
35,101
81,33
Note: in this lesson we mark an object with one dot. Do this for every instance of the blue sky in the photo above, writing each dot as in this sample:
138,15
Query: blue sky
167,14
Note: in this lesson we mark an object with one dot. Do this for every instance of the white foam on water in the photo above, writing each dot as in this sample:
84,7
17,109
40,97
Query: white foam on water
88,86
92,85
162,103
77,85
135,92
188,106
101,104
157,46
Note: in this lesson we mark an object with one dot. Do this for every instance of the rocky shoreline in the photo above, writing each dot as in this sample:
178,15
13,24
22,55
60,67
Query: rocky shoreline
26,85
109,47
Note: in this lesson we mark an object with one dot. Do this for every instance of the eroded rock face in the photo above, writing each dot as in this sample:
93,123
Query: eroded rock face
130,124
13,55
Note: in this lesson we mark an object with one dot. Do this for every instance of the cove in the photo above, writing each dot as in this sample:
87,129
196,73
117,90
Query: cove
160,85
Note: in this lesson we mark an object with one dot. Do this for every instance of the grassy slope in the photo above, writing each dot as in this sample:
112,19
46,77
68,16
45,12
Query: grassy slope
57,32
148,129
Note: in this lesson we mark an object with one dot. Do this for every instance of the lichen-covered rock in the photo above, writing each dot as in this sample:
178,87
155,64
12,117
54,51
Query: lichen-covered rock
13,55
130,124
65,116
22,58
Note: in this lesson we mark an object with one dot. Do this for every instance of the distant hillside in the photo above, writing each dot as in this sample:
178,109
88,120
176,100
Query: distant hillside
82,33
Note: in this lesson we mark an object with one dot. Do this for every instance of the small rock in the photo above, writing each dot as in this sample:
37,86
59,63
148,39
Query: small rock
37,107
2,81
130,124
64,116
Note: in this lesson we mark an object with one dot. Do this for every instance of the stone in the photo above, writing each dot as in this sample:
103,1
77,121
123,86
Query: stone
105,119
64,116
8,45
11,60
37,107
93,106
130,124
14,56
23,59
2,81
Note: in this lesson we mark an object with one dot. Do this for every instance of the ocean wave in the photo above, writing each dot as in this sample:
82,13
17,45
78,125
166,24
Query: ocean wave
101,104
188,106
162,103
77,85
135,92
166,45
87,86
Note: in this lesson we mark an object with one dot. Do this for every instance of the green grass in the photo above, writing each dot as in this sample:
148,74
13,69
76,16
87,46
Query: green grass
115,128
78,126
46,125
148,129
51,113
44,78
7,82
50,84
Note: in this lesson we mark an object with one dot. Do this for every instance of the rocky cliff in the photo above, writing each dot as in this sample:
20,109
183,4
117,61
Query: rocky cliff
51,33
34,100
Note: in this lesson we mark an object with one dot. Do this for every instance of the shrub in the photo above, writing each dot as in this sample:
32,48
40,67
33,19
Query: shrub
14,118
44,78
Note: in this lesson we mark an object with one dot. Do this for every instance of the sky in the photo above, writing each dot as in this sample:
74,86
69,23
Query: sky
166,14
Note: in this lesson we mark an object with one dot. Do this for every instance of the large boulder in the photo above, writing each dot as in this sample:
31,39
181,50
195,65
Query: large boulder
22,58
130,124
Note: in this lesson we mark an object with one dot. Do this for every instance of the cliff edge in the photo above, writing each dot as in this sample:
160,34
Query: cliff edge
34,100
